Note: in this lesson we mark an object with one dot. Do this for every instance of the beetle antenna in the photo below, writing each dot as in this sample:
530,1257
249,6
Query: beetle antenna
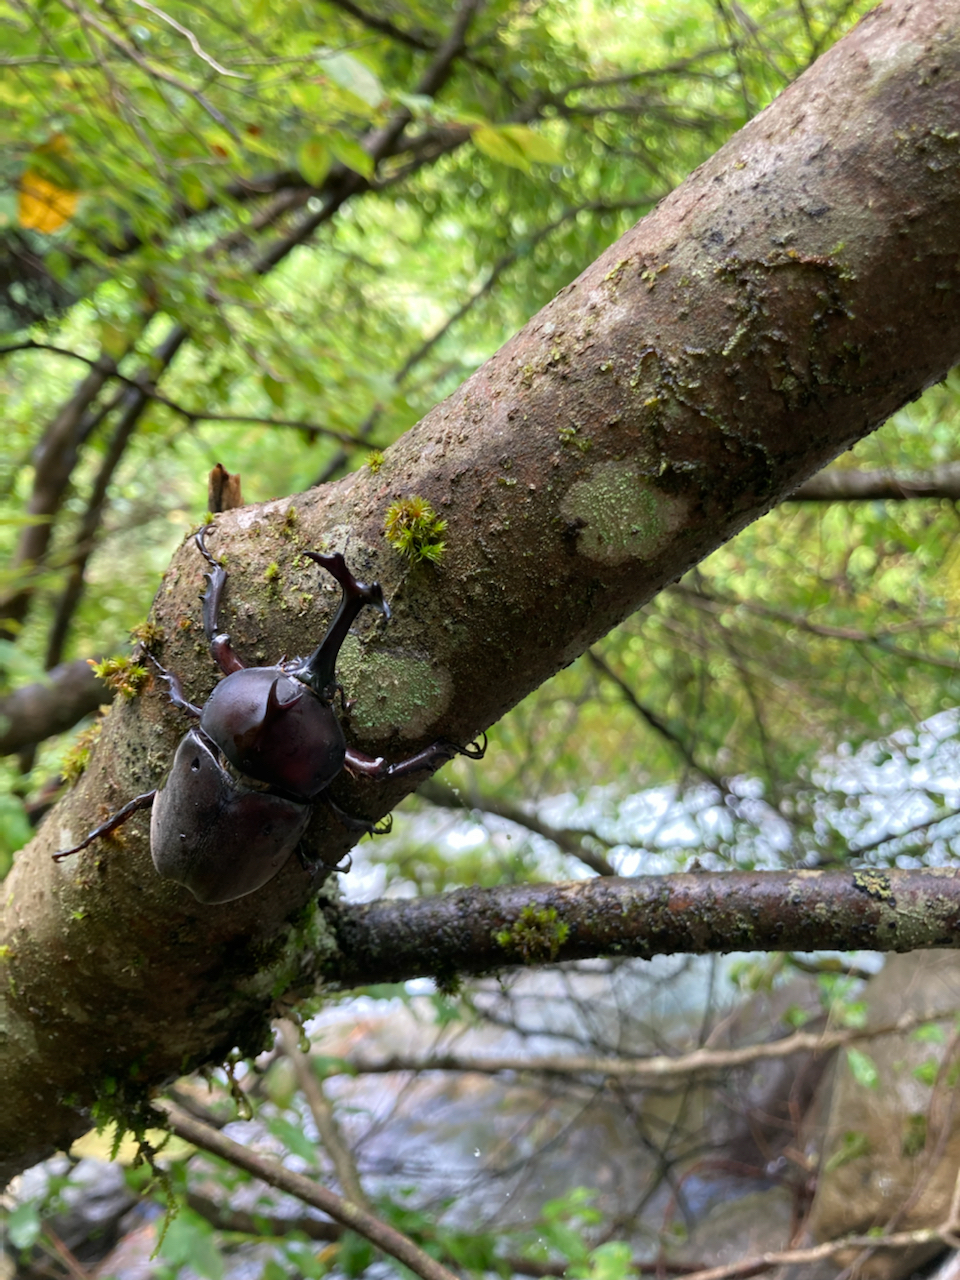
318,671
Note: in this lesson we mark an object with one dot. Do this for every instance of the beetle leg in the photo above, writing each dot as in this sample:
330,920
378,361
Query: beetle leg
431,758
175,692
115,820
220,646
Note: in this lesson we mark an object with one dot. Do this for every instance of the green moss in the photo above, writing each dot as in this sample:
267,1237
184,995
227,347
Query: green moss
413,529
375,460
149,634
78,756
535,936
913,1140
125,676
272,573
570,437
289,526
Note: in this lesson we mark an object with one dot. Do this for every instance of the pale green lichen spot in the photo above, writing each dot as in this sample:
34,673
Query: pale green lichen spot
392,691
619,514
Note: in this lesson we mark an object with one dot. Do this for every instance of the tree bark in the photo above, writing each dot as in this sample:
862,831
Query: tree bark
481,930
786,299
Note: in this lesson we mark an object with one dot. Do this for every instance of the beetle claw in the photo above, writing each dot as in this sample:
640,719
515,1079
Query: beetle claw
475,750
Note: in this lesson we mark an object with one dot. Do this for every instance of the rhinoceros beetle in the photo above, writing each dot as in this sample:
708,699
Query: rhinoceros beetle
267,745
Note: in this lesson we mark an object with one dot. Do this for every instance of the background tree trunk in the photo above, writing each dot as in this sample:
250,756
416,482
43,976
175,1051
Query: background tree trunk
785,300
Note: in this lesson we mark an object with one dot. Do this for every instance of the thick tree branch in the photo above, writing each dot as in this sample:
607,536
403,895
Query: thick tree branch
797,289
483,930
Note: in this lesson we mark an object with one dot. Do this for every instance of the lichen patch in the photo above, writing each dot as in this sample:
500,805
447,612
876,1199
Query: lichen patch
392,692
619,515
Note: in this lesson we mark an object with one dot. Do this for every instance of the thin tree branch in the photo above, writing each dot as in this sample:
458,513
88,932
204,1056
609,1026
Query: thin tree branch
565,838
850,485
414,40
323,1117
394,1243
192,39
655,722
646,1070
141,385
157,73
37,711
379,143
880,639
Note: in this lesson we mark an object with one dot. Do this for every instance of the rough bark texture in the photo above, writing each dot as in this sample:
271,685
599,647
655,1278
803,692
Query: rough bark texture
479,930
787,298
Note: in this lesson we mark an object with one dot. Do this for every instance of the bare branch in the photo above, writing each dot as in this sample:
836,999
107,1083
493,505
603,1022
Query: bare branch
647,1070
194,42
158,73
656,723
37,711
323,1117
883,639
851,485
394,1243
565,838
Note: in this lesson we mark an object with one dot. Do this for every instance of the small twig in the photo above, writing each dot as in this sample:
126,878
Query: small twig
394,1243
568,840
194,42
656,723
158,73
660,1067
323,1117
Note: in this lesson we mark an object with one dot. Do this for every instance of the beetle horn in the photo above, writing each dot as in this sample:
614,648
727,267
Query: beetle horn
318,671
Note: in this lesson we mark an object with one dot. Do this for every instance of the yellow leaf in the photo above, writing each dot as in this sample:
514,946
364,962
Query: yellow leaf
42,205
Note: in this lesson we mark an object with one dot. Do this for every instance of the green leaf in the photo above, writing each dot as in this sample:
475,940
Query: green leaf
313,161
864,1068
23,1225
277,391
927,1071
532,144
190,1239
293,1138
853,1145
349,152
610,1261
500,146
353,75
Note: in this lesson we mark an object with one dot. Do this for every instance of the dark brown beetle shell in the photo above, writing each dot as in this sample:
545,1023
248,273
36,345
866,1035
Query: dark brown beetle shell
215,836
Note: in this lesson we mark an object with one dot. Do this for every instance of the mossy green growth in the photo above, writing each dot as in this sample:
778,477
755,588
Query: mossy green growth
78,756
125,676
375,460
272,573
535,936
149,634
413,529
